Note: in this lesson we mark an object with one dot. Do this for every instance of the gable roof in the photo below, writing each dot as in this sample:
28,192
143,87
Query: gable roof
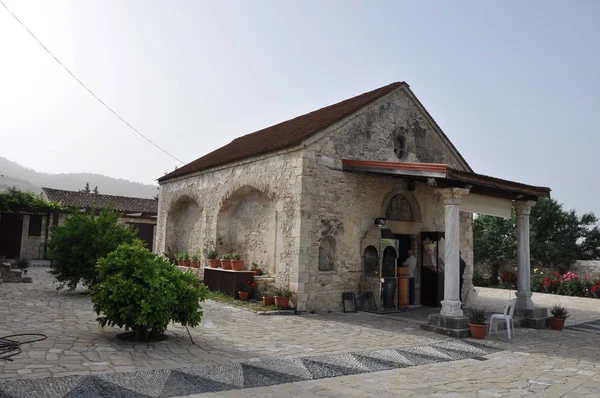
123,204
291,133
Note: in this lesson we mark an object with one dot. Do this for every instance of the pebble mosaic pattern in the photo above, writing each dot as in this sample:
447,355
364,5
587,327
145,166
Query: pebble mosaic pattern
202,379
588,327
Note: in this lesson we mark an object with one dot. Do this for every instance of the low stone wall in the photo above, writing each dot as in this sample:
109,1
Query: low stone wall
586,267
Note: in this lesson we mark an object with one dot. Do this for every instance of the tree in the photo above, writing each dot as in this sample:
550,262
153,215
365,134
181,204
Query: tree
96,190
76,246
557,237
86,189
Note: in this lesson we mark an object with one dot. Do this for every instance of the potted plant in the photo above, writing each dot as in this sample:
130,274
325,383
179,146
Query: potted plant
186,260
477,319
212,258
180,260
282,296
226,261
268,298
559,315
247,289
236,263
257,271
195,261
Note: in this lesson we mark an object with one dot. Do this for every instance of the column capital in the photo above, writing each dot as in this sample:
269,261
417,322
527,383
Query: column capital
523,207
452,196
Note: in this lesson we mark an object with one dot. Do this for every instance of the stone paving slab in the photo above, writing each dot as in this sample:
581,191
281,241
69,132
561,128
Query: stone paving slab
192,380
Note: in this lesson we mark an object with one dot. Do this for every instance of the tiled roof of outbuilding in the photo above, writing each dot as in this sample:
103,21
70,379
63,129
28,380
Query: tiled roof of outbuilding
83,200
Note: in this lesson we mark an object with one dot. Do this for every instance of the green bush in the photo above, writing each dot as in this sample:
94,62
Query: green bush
140,291
76,246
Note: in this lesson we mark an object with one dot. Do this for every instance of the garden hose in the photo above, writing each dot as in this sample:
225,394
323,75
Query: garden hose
10,348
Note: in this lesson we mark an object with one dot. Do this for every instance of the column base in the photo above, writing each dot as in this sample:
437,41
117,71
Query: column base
524,301
452,308
534,318
453,326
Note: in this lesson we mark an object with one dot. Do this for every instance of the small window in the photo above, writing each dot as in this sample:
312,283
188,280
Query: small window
35,225
55,218
399,147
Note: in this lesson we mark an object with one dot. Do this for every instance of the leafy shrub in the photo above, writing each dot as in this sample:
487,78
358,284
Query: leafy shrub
140,291
236,257
76,246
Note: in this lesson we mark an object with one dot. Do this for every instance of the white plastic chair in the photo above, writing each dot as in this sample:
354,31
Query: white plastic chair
507,317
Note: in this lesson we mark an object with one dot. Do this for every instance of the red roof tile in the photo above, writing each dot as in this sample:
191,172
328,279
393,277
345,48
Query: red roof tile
282,135
122,204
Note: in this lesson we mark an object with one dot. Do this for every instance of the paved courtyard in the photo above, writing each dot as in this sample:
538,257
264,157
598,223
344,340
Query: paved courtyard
238,353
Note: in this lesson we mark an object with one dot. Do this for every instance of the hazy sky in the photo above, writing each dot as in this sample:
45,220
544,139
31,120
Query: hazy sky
515,85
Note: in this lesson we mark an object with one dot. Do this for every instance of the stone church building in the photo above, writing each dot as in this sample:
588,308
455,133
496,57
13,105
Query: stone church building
331,201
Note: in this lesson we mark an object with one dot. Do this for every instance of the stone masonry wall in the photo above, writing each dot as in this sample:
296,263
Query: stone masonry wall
30,245
343,205
276,177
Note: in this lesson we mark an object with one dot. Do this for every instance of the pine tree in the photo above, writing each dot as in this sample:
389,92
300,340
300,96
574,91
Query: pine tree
86,189
96,190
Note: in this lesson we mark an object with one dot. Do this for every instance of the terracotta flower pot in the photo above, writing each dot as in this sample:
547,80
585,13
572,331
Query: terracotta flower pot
282,302
187,263
196,264
237,265
243,295
180,263
557,323
214,263
226,264
256,271
267,301
478,331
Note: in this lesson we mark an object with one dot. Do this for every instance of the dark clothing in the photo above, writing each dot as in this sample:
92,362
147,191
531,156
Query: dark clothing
463,266
411,291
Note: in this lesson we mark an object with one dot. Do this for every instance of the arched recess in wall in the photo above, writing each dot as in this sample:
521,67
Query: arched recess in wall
327,254
402,206
370,262
184,227
246,225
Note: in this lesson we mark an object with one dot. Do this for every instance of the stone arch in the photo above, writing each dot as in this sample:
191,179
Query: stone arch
401,205
246,224
327,254
184,226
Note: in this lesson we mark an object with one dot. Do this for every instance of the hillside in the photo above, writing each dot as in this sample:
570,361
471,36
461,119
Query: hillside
13,174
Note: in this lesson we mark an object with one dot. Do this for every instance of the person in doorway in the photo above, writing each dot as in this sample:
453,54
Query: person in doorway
463,267
411,264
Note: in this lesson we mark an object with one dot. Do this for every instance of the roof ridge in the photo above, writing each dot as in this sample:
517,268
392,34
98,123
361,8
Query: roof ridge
285,134
96,194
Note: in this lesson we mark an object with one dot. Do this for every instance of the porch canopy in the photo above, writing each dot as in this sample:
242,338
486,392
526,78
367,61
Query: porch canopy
471,192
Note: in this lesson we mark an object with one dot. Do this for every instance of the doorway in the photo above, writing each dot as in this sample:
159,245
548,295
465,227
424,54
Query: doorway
11,227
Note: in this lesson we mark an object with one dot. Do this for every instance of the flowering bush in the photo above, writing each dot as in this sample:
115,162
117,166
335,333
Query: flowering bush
568,284
507,277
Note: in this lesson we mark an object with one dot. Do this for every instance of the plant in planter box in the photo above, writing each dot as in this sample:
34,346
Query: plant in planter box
226,261
477,319
195,261
247,290
257,271
186,260
559,315
268,298
212,258
237,264
282,296
180,260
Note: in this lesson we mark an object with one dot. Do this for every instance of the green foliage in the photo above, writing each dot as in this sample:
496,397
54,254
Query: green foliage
236,257
13,199
186,256
557,237
195,257
560,312
226,256
209,251
283,291
76,246
140,291
478,316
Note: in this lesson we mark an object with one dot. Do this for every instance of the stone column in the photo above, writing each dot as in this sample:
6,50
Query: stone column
451,305
523,209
